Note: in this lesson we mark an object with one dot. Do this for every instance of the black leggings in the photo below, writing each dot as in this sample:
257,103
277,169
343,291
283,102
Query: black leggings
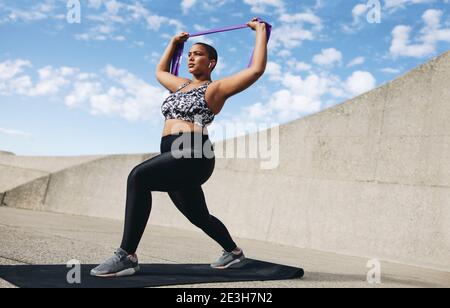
182,179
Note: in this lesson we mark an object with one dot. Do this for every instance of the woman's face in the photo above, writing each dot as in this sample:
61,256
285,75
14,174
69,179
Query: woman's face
198,60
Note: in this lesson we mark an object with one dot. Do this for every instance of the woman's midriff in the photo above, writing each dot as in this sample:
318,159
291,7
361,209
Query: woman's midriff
174,126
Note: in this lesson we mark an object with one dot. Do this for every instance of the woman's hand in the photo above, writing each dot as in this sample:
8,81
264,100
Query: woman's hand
180,38
254,24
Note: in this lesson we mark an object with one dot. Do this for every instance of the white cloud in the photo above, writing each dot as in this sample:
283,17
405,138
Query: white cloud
207,5
82,91
302,66
214,4
52,80
115,17
201,39
394,5
14,132
186,5
221,66
299,96
356,61
266,6
9,69
11,78
273,70
284,53
20,85
390,70
302,18
95,3
14,80
289,36
43,10
285,104
401,46
294,29
129,97
357,11
113,7
108,103
360,82
198,27
117,93
153,57
431,33
318,5
328,57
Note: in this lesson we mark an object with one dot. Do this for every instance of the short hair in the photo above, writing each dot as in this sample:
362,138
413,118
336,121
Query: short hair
211,51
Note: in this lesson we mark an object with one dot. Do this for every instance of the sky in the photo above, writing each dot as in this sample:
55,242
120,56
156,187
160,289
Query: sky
89,87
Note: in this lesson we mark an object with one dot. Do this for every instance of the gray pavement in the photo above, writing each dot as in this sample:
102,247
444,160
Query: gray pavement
32,237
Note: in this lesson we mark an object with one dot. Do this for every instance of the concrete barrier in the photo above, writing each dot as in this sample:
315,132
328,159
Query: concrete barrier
6,153
369,177
16,171
45,163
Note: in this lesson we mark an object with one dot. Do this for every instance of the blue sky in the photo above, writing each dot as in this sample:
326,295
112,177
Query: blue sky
89,88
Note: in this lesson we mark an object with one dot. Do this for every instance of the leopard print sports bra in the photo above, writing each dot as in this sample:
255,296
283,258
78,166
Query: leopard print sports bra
188,106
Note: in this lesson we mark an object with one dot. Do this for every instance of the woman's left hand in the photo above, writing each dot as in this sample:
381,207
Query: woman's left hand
254,24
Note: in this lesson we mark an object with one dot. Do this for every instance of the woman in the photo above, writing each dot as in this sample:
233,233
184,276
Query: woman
181,172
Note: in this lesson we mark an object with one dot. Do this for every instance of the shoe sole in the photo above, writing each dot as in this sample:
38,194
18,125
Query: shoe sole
127,272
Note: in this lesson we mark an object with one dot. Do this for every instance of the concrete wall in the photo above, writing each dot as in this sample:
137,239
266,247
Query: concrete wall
19,170
369,177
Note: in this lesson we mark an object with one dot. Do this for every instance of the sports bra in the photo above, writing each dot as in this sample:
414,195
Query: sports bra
189,106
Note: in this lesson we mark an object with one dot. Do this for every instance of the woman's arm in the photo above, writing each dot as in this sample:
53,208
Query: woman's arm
163,75
229,86
164,63
260,53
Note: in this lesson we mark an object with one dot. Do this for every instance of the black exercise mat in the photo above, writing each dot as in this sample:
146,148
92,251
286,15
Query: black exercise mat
151,275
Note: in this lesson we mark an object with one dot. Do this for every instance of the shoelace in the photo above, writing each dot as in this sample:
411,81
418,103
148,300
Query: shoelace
117,257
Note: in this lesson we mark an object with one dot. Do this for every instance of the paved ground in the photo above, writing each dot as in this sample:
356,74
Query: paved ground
28,237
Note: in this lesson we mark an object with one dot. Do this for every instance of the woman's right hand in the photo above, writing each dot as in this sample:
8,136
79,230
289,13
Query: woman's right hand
180,38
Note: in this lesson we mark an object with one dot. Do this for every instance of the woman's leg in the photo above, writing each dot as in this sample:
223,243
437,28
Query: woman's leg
191,202
160,173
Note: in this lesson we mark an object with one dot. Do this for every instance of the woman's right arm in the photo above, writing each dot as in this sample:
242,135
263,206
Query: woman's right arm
163,75
164,63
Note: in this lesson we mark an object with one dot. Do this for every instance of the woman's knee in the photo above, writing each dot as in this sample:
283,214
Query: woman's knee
136,175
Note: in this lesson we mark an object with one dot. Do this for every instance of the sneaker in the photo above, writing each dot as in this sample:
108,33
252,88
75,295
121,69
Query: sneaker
119,265
227,259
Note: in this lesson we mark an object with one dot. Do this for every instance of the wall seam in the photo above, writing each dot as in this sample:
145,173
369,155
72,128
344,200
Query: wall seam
46,190
3,199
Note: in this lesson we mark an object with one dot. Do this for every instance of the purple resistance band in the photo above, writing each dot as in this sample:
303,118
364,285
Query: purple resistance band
178,54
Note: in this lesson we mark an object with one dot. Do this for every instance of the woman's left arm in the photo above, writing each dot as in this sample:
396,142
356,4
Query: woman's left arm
229,86
260,53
